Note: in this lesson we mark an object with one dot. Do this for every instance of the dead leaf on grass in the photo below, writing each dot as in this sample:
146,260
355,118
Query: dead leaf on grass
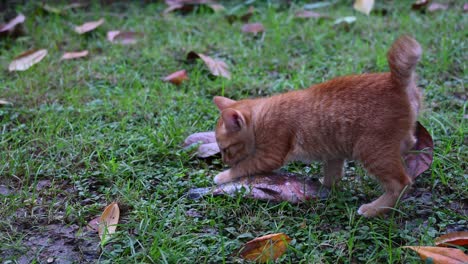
177,77
440,255
124,37
109,221
265,248
364,6
74,55
207,150
419,158
309,14
455,238
419,4
437,7
244,18
317,5
465,8
253,28
216,67
5,102
27,59
13,25
186,6
89,26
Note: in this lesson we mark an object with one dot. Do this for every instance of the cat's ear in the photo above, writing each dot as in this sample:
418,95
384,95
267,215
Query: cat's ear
223,102
233,120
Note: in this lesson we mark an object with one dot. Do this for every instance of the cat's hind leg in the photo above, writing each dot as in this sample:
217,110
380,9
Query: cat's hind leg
332,171
388,168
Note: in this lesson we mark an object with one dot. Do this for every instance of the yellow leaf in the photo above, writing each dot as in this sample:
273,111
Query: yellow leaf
109,221
265,248
441,255
364,6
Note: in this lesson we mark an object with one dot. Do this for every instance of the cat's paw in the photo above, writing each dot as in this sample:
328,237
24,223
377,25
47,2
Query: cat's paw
222,177
368,210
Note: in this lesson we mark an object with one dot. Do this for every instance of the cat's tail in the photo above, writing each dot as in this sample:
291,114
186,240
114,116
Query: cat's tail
402,59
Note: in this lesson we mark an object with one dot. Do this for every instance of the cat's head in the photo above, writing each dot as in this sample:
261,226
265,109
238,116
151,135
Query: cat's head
234,131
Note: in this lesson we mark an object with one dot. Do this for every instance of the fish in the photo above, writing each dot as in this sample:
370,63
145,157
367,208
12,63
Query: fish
275,187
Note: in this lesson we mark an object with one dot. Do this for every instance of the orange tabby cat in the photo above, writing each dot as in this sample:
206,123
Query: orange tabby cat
368,117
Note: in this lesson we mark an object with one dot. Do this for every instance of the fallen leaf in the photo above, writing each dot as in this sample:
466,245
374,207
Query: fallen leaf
419,4
308,14
317,5
244,18
465,8
124,37
440,255
253,28
436,7
27,59
455,238
5,102
345,20
265,248
109,221
177,77
93,225
74,55
419,158
12,25
188,5
216,67
89,26
364,6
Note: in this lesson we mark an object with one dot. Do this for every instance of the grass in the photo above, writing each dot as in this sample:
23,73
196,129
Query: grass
84,133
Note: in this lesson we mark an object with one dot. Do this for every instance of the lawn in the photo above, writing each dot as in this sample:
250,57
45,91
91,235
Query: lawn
81,134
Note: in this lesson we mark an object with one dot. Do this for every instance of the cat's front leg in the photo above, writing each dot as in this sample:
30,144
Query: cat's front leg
225,176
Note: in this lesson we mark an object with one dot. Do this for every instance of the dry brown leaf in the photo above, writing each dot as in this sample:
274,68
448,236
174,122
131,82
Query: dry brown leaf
109,221
27,59
89,26
441,255
5,102
253,28
177,77
364,6
186,6
11,26
420,157
244,18
455,238
74,55
436,7
419,4
216,67
124,37
309,14
265,248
